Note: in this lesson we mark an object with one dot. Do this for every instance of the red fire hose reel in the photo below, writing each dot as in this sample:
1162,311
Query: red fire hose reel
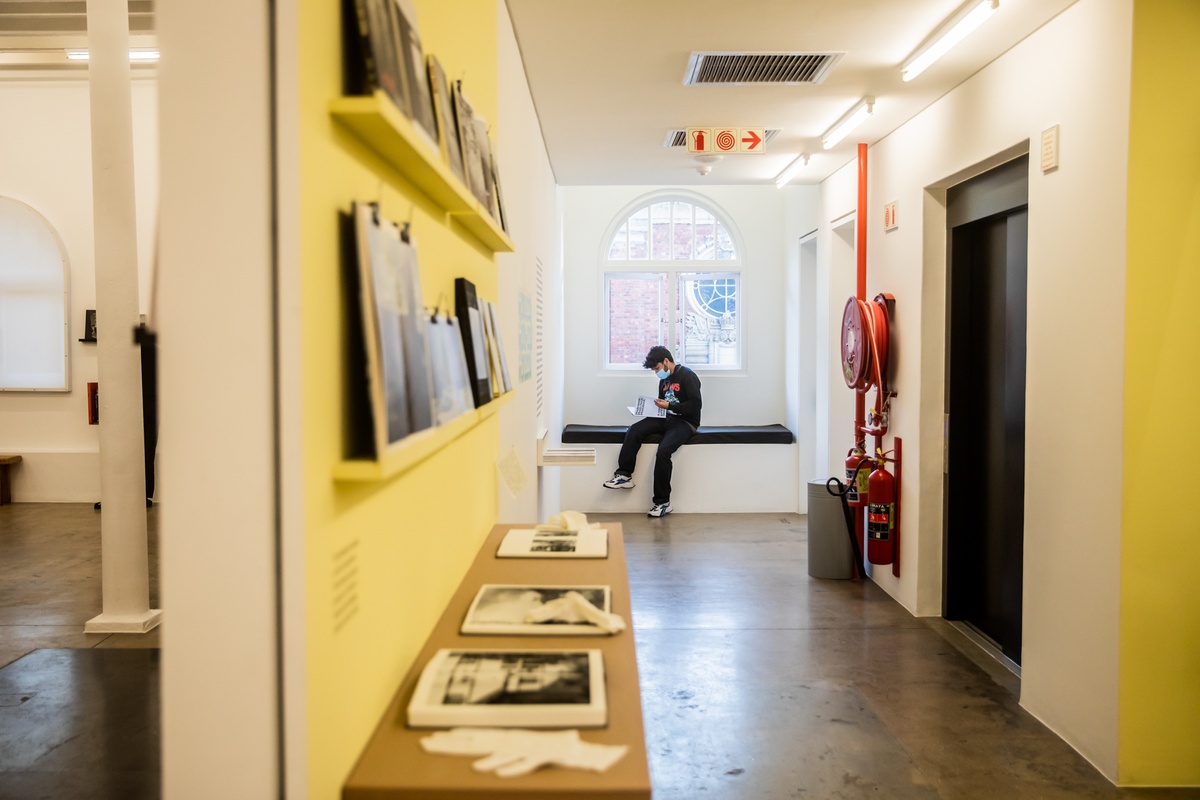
866,339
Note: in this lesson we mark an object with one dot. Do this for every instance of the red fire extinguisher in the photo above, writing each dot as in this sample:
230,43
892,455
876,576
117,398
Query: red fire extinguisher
881,515
856,477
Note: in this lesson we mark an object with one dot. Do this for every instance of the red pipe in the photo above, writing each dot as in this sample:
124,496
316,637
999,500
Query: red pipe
860,248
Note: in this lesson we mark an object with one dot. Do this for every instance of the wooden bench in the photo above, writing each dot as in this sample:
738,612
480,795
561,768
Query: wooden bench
5,488
705,434
760,472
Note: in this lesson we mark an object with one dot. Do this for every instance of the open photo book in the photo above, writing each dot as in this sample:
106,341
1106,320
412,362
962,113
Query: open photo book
645,408
539,543
511,688
523,610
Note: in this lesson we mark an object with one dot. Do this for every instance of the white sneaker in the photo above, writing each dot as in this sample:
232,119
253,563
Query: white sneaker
619,482
660,510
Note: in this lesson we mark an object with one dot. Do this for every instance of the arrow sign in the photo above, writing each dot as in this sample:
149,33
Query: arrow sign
750,140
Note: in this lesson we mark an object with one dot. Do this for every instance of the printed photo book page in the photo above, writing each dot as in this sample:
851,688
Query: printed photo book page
645,408
533,543
511,688
523,610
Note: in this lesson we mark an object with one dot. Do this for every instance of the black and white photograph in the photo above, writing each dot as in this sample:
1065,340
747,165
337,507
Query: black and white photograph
520,610
533,543
382,329
377,66
511,688
409,50
473,148
451,383
407,300
443,104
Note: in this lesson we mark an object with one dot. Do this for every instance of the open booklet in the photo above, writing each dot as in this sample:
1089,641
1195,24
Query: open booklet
645,408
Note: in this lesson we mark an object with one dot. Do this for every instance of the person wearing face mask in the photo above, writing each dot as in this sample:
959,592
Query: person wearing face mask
679,394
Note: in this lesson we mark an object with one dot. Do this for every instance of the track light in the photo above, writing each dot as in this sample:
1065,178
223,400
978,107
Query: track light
848,123
140,54
951,32
790,171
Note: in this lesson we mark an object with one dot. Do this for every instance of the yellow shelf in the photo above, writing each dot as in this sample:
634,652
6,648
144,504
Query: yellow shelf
384,129
415,448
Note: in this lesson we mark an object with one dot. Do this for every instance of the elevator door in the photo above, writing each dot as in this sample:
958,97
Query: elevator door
985,480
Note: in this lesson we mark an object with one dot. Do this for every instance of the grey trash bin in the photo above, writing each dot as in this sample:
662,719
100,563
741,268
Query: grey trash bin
829,551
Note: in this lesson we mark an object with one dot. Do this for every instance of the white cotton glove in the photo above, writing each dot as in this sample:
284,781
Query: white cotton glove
510,752
574,607
566,521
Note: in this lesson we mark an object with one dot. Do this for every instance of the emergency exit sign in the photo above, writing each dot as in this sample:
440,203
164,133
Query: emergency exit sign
726,140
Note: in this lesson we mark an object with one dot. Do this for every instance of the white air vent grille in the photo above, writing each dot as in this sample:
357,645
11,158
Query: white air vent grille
678,137
732,69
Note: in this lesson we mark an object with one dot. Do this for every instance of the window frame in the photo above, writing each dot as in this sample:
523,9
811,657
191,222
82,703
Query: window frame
673,270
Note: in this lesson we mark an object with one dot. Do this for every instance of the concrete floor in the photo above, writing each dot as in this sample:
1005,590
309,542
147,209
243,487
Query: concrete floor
758,682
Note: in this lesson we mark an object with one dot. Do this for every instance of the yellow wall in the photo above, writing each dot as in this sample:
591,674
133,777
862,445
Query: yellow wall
416,533
1160,599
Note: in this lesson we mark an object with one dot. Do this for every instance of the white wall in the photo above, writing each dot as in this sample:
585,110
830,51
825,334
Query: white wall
802,207
753,396
46,163
531,200
1073,73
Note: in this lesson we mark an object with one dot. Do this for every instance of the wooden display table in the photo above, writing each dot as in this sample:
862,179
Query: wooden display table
393,765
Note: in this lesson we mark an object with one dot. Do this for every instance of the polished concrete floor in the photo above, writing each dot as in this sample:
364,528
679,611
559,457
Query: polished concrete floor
758,682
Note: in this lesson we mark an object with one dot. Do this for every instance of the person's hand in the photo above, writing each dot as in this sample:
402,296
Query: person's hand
662,404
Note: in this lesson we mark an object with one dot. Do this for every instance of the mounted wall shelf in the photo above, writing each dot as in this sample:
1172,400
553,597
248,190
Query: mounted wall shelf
416,448
381,126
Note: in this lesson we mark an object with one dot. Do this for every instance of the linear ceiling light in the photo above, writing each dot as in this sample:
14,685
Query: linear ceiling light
848,122
791,170
952,31
134,55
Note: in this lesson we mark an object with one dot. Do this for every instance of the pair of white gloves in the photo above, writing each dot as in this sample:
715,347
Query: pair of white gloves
509,752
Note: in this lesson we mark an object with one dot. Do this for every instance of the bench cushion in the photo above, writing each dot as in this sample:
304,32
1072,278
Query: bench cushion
707,434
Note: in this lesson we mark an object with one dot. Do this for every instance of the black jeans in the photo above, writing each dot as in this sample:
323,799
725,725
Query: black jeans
675,431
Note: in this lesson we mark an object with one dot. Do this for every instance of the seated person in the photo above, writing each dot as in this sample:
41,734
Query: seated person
679,394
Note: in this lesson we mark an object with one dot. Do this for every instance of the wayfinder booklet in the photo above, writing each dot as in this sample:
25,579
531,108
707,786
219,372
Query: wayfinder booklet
645,408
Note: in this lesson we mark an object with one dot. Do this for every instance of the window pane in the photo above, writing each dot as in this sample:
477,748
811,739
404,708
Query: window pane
639,229
32,301
681,245
706,235
660,221
707,326
636,316
619,249
724,244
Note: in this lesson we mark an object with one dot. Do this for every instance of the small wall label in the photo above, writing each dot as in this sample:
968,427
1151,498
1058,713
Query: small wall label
889,217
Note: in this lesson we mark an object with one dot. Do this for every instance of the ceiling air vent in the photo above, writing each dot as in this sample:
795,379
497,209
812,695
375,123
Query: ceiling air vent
733,69
678,137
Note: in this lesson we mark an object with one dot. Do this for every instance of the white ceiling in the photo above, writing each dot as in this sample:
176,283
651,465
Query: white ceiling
607,78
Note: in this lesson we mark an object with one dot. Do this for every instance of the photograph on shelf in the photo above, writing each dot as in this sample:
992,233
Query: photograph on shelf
484,143
513,610
534,543
443,104
415,73
511,688
498,213
505,379
493,347
451,383
414,329
89,325
372,56
471,146
382,329
470,321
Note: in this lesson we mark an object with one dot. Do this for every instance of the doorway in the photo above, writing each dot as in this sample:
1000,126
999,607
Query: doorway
988,226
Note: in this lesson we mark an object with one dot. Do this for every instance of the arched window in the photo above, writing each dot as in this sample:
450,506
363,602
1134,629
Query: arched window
670,278
33,302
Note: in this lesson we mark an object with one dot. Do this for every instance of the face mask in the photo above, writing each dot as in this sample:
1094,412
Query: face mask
663,374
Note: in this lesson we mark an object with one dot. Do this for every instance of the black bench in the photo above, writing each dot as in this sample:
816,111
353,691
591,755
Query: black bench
707,434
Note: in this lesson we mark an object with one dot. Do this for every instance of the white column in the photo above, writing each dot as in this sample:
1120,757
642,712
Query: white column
124,553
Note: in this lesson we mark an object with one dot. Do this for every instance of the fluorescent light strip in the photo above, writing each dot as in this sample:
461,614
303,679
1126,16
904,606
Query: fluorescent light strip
134,55
848,123
954,30
791,170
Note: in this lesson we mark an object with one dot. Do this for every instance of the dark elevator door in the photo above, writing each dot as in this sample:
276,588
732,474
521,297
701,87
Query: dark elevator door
985,486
